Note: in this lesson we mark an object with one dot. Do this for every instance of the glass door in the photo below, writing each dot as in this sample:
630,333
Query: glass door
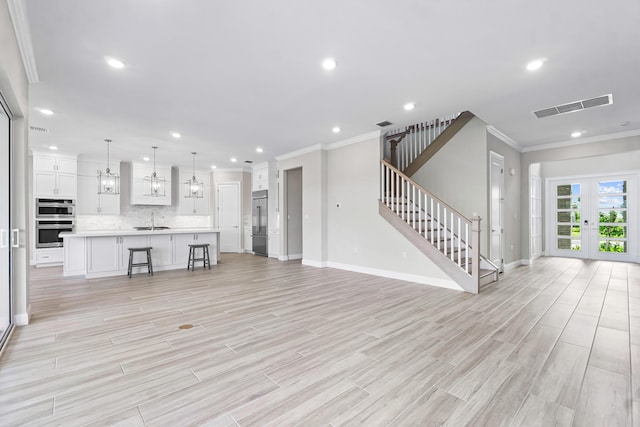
591,217
5,225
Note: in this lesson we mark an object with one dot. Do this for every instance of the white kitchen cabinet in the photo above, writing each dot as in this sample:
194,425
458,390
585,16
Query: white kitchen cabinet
54,175
274,242
74,257
182,242
260,177
48,257
89,202
194,206
162,252
248,240
139,190
111,254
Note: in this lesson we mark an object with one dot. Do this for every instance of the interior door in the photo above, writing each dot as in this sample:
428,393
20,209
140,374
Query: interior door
497,209
5,226
229,216
594,218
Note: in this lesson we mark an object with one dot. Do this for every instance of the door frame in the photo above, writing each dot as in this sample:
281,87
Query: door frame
286,256
494,156
633,215
6,334
238,185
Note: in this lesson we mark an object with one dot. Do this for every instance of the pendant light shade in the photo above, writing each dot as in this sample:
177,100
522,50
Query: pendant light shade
108,182
192,188
154,185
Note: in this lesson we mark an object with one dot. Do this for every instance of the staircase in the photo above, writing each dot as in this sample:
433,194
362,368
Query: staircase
447,237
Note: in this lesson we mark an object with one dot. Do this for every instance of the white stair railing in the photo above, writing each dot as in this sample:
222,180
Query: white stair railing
414,139
451,233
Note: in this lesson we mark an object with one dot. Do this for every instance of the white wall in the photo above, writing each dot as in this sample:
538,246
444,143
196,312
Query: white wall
458,174
14,88
359,238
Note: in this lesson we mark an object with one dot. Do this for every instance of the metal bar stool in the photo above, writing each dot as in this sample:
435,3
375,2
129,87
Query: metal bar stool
146,249
205,256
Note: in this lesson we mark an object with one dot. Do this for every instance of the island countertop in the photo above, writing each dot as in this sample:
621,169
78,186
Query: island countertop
133,232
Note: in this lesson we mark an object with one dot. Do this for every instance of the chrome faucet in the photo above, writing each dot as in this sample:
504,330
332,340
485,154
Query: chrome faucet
153,224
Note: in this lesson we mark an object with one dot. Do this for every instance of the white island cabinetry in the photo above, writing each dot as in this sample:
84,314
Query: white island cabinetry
102,254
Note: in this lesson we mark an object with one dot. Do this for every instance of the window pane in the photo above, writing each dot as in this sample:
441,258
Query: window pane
612,216
616,231
612,187
613,246
612,202
564,190
564,243
575,230
564,216
564,230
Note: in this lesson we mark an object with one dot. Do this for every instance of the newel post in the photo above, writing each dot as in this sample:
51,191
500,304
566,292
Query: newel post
475,254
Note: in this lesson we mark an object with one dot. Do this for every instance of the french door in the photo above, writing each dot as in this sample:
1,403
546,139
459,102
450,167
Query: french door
594,218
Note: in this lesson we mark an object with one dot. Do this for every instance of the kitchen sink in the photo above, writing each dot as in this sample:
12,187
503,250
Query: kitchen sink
150,228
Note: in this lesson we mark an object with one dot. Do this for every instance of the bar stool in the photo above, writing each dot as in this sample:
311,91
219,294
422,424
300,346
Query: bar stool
205,256
146,249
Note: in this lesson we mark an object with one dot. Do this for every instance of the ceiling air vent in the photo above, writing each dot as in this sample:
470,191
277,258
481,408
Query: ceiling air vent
575,106
38,129
384,123
248,161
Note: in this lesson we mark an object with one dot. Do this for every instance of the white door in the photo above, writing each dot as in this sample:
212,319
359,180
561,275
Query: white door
496,212
594,218
229,216
536,216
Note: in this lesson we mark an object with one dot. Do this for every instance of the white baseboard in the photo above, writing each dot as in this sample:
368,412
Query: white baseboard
22,319
289,257
526,261
513,265
312,263
425,280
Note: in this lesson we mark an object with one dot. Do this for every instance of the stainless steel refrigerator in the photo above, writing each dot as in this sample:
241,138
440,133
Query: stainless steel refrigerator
259,222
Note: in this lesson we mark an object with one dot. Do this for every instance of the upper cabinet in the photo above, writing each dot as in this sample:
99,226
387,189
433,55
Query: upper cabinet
260,177
55,175
194,206
89,202
141,189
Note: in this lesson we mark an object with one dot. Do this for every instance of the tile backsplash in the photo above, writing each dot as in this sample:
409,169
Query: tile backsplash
140,216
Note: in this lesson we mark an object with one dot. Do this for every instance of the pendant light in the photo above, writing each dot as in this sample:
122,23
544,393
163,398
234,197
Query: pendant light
108,182
154,185
192,188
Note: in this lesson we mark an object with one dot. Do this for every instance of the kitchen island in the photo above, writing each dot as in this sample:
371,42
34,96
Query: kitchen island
105,253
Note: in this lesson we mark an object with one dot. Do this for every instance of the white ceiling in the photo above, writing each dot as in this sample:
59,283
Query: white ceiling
234,75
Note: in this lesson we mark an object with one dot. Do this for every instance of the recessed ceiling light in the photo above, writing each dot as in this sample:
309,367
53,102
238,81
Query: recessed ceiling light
213,166
259,150
336,129
113,62
329,63
410,106
175,134
576,134
146,159
233,159
45,111
53,147
536,64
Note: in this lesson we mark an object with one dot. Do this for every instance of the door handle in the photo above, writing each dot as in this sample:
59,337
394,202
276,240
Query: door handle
15,238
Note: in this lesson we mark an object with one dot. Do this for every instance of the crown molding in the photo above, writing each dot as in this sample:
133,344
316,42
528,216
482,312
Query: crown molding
20,22
300,152
353,140
581,141
504,138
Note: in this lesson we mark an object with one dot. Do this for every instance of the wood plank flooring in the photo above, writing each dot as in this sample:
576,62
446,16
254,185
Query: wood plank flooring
278,343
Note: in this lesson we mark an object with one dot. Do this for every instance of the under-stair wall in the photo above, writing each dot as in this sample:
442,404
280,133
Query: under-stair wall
458,174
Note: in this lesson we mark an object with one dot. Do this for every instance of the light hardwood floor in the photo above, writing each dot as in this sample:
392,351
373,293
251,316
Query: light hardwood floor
278,343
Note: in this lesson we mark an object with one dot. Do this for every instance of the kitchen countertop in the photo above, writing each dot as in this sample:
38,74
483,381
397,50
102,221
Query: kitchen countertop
132,232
